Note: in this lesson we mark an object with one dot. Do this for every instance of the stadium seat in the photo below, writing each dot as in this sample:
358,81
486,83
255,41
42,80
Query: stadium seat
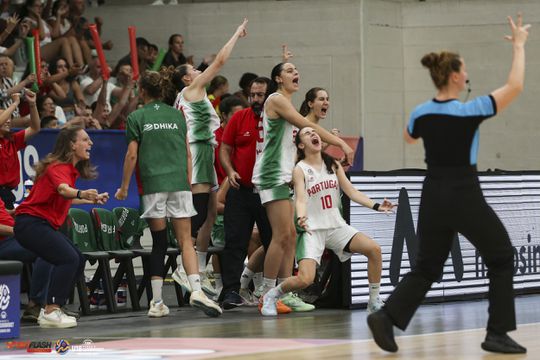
108,239
79,229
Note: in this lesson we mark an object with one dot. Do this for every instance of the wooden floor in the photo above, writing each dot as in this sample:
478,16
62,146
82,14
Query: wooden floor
439,331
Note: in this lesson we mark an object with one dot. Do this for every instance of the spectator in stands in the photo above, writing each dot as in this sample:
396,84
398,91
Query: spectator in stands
49,122
60,27
8,85
218,87
50,48
10,176
69,93
80,27
114,118
175,56
245,86
142,53
22,32
46,209
91,84
47,107
153,52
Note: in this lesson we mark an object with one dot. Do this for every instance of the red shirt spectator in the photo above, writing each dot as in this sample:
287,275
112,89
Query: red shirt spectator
44,200
10,168
241,133
5,218
221,174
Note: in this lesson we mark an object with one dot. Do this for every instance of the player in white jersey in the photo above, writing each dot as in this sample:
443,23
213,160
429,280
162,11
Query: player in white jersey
317,182
202,121
274,165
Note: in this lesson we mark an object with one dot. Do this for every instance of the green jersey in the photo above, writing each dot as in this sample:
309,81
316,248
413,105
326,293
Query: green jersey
160,130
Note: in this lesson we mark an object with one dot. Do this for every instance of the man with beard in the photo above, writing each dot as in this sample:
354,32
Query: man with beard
243,205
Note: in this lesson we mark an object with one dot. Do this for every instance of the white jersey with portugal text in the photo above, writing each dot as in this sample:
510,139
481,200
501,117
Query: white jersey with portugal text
276,153
201,119
323,198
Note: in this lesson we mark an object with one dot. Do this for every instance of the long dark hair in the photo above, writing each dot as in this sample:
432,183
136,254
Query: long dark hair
311,95
62,153
172,83
441,65
273,86
329,161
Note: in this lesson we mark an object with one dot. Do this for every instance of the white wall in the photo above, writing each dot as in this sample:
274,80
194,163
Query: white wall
366,53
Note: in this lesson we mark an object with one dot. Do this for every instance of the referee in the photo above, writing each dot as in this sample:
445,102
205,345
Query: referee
452,200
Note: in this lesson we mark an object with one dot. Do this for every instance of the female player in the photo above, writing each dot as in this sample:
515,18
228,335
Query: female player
317,182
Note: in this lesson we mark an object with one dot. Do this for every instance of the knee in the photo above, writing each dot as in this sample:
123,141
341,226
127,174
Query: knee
374,253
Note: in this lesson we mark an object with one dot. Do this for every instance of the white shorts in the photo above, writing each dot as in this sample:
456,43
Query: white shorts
312,246
178,204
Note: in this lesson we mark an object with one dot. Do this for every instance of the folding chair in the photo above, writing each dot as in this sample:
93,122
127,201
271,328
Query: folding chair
79,229
108,239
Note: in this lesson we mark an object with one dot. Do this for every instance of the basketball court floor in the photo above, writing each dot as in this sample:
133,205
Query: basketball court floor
438,331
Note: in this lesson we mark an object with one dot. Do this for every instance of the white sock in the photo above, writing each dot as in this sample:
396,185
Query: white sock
374,289
268,283
275,292
157,285
257,280
201,256
280,280
195,282
219,282
246,277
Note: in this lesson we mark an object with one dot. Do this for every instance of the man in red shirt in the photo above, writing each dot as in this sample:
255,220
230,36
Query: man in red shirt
10,144
243,205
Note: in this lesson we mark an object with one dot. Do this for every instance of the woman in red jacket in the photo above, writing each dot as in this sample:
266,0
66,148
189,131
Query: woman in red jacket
40,216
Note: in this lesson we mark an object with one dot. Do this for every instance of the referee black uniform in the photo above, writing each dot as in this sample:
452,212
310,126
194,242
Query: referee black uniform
451,202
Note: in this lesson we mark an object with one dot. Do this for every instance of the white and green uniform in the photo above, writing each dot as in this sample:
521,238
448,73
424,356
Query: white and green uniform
202,121
324,220
218,232
276,154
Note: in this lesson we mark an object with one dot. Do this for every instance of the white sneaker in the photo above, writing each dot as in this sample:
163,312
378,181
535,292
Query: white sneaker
199,300
375,305
56,319
158,2
181,278
207,286
248,297
269,307
260,291
158,309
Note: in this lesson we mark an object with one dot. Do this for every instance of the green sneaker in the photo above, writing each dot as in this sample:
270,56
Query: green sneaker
295,303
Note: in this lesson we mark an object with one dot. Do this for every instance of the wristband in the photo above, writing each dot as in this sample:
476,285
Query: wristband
78,194
376,206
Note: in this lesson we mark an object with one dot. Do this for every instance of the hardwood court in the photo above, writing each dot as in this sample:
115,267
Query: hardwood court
440,331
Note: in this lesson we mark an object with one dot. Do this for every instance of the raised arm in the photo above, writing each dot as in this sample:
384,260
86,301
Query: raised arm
35,123
514,85
5,114
222,56
283,108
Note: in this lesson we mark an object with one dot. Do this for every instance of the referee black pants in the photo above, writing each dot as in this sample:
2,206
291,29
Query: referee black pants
451,202
243,208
